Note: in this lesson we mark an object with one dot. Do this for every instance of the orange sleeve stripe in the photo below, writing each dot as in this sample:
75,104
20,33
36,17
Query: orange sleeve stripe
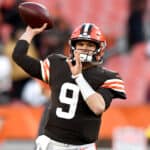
114,82
45,72
114,87
45,66
46,69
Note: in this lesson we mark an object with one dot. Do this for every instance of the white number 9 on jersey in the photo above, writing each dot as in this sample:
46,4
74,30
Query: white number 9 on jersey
71,101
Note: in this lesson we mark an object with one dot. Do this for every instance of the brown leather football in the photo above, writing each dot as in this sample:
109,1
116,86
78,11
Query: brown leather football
35,14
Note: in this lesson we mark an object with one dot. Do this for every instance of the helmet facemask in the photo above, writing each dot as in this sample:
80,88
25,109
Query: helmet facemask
92,57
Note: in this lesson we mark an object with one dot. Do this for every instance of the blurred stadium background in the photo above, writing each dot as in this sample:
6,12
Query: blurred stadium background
126,124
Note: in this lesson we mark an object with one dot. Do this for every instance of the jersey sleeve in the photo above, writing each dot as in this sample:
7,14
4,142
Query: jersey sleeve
107,95
34,67
116,86
112,88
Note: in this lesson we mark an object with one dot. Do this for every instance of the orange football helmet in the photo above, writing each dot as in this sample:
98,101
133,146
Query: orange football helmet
89,32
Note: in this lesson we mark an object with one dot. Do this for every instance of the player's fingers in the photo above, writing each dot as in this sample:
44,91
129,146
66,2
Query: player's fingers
77,57
42,28
69,62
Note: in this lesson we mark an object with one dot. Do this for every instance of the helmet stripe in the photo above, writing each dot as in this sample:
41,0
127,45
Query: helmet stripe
82,29
90,28
86,29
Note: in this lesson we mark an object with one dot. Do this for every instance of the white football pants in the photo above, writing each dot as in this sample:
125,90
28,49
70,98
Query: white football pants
45,143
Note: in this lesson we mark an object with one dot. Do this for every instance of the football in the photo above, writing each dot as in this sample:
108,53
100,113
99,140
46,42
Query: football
35,14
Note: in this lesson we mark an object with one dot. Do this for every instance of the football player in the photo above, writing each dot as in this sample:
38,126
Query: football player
81,89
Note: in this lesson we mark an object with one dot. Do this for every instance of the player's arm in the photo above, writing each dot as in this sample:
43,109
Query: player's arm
99,100
93,99
34,67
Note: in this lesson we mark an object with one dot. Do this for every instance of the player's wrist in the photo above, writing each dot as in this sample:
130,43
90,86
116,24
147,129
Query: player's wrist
27,36
84,86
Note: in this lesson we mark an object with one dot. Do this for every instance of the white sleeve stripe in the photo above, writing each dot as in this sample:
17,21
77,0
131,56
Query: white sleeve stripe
42,70
119,90
113,80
